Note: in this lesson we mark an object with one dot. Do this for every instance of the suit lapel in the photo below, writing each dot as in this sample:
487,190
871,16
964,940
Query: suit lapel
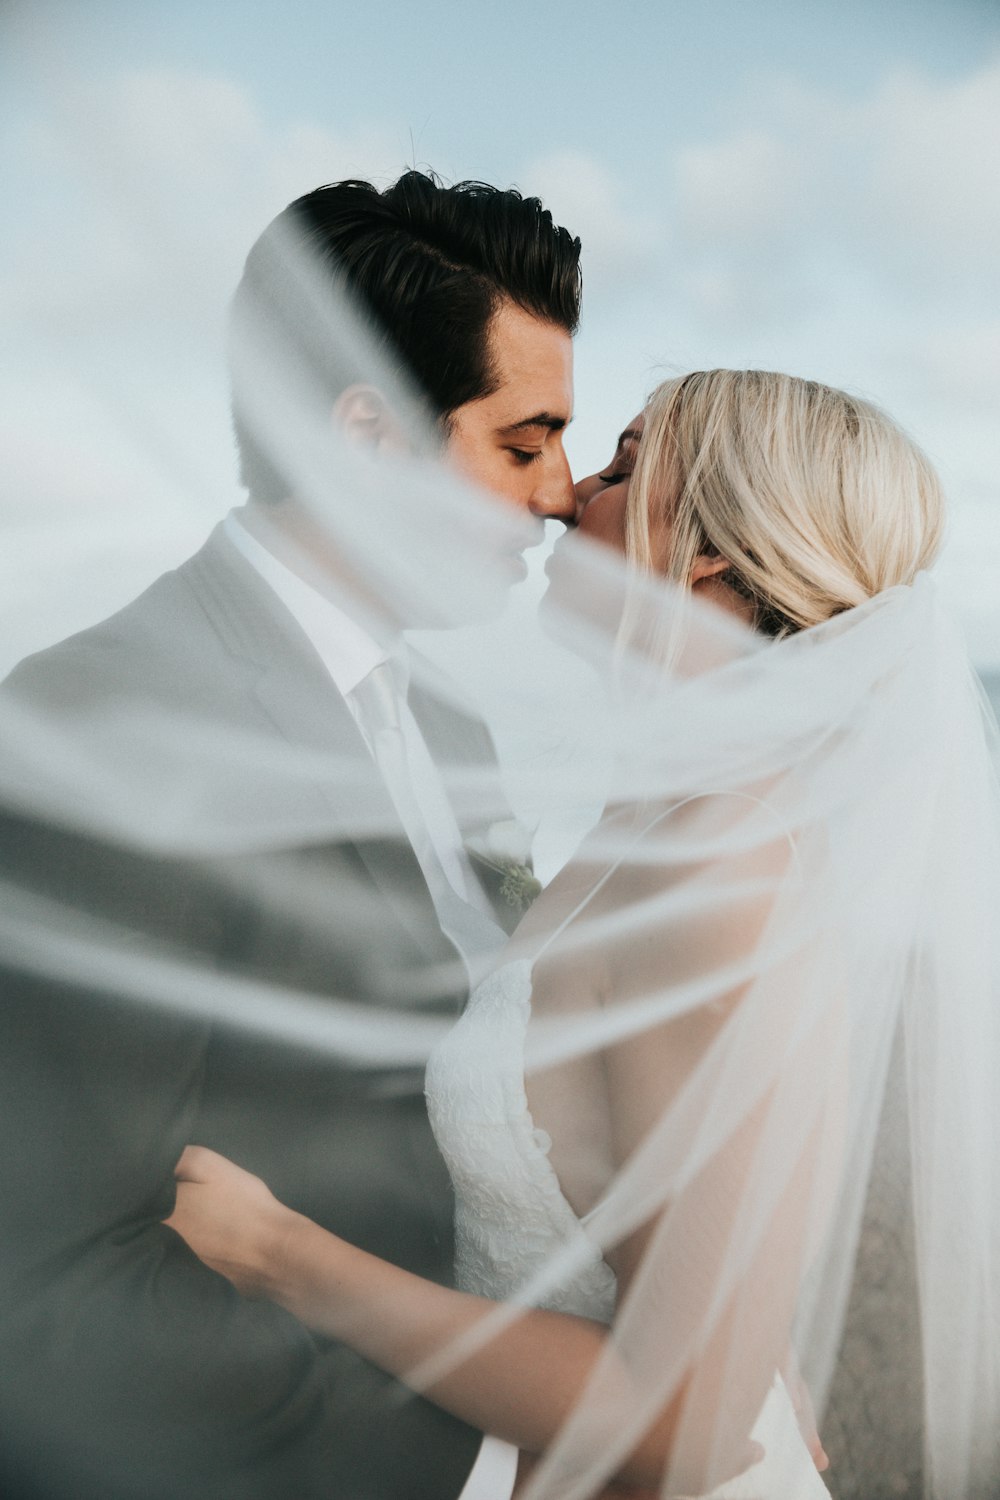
293,687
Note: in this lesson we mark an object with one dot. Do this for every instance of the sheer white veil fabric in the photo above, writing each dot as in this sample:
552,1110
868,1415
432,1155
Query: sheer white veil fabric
818,864
794,881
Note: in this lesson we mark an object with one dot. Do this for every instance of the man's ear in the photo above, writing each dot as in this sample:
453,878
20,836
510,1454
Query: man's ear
707,565
364,416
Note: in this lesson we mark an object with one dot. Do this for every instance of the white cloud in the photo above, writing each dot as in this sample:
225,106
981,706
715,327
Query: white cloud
746,184
901,186
934,177
959,362
168,178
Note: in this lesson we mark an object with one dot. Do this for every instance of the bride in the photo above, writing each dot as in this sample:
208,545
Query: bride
660,1110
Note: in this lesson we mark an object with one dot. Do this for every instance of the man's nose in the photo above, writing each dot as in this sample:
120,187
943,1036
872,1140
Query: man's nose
555,497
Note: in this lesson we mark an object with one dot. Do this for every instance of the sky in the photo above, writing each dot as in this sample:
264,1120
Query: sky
806,186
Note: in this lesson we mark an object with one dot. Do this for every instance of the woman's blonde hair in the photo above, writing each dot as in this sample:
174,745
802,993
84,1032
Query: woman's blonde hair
815,498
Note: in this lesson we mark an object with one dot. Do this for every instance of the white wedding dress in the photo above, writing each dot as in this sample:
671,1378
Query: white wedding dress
511,1214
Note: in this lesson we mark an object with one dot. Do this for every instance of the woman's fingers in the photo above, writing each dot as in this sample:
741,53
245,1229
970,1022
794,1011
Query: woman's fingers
227,1216
193,1164
201,1164
819,1454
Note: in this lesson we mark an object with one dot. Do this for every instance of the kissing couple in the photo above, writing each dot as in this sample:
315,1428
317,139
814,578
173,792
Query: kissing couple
348,1161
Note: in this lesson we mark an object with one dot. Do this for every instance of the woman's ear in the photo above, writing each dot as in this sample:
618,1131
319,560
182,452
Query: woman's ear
364,416
709,583
707,565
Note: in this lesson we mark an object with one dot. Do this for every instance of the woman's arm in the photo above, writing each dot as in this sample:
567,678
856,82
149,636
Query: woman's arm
521,1385
726,1102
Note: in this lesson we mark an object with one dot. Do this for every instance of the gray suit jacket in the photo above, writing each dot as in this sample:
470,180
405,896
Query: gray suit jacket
129,1369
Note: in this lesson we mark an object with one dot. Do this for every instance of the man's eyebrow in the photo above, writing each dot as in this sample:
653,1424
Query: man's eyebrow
540,419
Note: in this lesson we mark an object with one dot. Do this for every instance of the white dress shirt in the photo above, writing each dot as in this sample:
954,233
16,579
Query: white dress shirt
494,1473
350,655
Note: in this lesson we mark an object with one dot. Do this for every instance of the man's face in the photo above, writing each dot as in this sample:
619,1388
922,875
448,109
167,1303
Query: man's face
511,442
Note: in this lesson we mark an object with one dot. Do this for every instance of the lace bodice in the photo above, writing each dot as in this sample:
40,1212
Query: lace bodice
510,1213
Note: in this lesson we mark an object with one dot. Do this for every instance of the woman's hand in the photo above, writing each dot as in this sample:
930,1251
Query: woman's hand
231,1220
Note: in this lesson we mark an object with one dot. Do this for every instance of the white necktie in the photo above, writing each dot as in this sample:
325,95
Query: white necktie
378,698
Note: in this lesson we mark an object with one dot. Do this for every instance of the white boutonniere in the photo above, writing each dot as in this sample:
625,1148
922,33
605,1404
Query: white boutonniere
505,850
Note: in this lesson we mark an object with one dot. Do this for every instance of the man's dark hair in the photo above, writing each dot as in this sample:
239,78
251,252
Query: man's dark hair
427,266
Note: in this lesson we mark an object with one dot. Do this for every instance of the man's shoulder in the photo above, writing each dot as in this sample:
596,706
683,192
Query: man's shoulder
141,648
131,629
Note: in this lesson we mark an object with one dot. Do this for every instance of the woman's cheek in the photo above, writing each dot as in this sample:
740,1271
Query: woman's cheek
603,519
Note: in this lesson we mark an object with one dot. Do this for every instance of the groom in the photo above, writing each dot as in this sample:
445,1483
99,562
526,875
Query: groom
130,1370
